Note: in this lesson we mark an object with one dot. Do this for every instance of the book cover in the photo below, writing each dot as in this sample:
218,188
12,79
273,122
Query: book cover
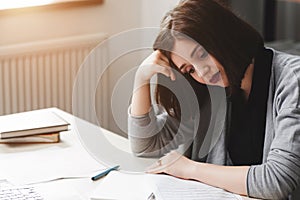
42,138
34,122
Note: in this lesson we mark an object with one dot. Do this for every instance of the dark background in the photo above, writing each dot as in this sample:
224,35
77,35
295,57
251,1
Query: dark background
277,20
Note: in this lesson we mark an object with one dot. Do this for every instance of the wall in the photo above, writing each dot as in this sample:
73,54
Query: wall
111,17
287,21
251,11
152,11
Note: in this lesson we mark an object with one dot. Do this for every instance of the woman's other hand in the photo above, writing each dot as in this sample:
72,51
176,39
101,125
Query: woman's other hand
173,164
230,178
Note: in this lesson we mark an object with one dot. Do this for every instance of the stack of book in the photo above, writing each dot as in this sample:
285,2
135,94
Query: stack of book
37,126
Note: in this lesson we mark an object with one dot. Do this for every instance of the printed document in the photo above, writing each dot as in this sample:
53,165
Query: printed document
125,186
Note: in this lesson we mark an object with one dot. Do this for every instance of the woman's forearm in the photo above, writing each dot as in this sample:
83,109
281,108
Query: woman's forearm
230,178
141,100
153,64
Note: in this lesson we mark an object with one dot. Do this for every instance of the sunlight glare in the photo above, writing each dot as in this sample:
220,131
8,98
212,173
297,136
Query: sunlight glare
11,4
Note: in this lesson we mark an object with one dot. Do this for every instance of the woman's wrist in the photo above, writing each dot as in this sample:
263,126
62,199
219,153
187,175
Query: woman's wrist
194,170
140,80
198,171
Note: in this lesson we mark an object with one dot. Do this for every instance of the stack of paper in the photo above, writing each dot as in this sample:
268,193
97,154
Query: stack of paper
47,164
126,186
32,126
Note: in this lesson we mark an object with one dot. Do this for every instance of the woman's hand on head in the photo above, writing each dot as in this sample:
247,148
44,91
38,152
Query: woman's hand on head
173,164
155,63
141,98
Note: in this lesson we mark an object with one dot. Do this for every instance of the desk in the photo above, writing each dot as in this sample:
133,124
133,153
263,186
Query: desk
65,189
74,189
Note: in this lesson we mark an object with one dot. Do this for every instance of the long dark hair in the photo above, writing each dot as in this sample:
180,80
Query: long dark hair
229,39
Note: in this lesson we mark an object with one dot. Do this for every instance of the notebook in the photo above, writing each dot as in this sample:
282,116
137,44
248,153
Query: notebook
31,123
126,186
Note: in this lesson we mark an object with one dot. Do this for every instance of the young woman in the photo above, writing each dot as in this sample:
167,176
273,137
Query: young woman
257,148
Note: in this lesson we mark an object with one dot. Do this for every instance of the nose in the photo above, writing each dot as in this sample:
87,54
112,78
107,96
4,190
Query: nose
202,71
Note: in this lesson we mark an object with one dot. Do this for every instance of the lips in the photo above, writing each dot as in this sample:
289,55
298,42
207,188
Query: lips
215,78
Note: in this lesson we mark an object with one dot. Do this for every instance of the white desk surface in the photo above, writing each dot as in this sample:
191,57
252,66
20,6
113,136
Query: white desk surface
74,189
65,189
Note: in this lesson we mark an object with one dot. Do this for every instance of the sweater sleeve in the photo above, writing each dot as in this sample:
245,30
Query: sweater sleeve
280,174
156,133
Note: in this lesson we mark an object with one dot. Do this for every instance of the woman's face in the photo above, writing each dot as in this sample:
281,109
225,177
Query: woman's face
192,58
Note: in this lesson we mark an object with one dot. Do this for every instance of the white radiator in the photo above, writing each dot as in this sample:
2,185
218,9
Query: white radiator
41,74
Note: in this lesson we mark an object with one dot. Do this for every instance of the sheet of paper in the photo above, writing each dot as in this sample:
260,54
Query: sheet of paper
172,188
125,186
48,164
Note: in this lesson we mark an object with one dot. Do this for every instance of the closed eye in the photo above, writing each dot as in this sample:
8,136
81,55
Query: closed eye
202,53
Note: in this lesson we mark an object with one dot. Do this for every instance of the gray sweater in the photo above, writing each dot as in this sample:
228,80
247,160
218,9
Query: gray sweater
157,133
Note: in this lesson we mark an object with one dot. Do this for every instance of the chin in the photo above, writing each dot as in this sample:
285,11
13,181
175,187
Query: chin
220,85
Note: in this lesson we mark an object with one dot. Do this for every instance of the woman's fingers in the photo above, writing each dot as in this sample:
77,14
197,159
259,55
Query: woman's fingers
165,63
166,70
156,63
172,75
161,56
164,163
173,164
156,167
